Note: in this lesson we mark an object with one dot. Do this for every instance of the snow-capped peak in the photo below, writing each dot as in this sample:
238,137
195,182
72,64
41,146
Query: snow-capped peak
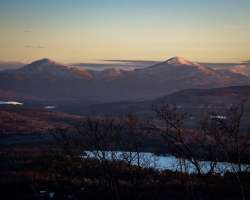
44,65
45,61
180,61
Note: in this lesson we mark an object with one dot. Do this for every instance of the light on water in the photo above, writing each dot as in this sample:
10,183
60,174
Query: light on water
11,103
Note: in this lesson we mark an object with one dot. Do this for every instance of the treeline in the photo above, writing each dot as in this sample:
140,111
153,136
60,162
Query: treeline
66,171
36,175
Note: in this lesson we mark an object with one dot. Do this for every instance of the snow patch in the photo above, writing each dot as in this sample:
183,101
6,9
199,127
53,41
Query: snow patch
180,61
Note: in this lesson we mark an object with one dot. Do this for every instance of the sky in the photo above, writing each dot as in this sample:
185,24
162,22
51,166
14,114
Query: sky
87,30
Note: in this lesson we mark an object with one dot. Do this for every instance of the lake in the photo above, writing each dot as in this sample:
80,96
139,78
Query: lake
165,162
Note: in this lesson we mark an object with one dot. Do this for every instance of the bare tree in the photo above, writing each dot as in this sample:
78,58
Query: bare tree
229,140
171,123
102,136
134,132
219,138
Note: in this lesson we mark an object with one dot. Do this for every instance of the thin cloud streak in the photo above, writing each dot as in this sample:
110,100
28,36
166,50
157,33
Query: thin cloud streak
34,47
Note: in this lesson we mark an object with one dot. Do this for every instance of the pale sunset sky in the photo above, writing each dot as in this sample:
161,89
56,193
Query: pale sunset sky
85,30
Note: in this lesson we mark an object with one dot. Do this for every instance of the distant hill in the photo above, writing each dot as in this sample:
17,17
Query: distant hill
16,120
217,96
189,100
4,65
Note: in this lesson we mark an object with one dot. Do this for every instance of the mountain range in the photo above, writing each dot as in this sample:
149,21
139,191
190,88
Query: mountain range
47,80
